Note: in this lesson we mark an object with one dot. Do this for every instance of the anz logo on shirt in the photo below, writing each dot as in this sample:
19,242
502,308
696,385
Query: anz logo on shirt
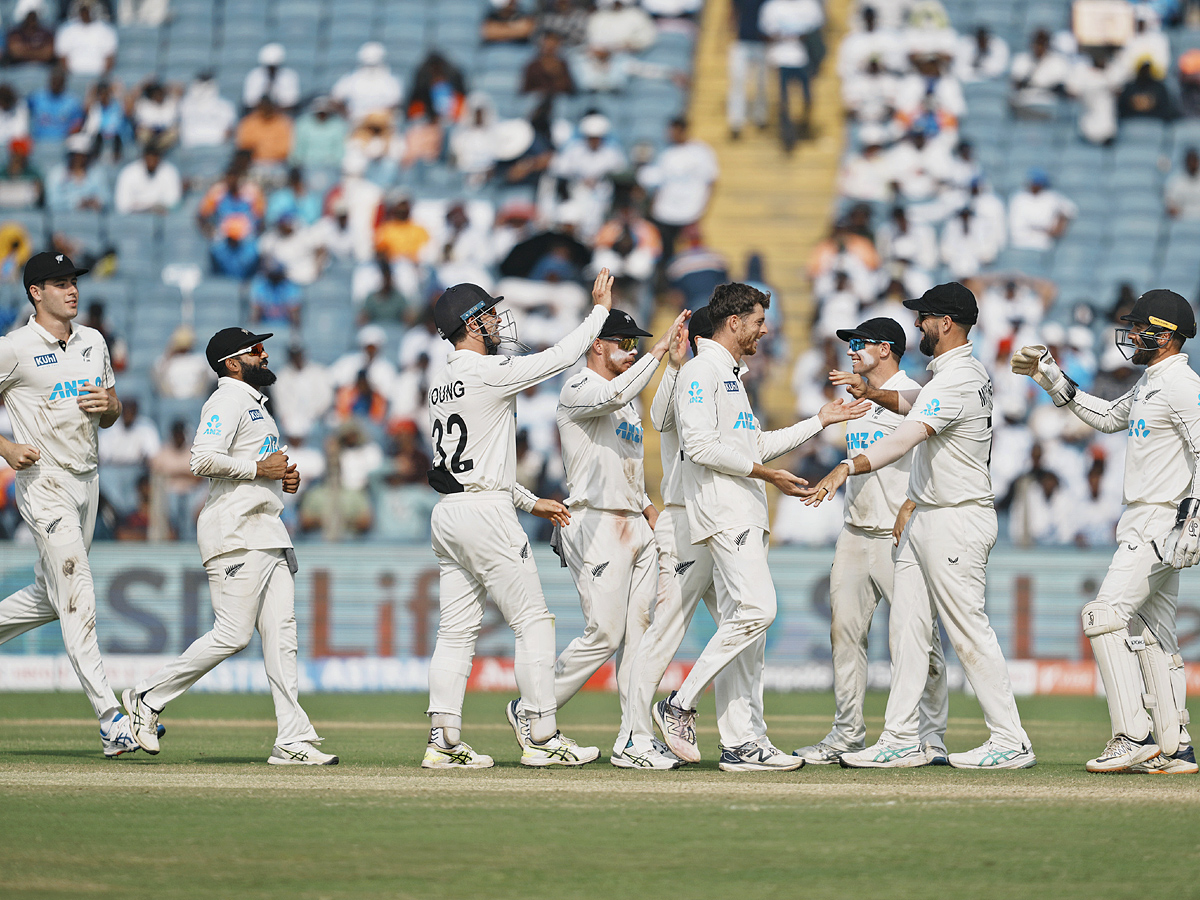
745,420
1138,428
65,389
932,408
269,445
695,393
861,440
213,426
627,431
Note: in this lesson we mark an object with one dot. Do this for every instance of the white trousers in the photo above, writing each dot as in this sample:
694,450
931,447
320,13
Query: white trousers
613,559
685,575
1144,589
250,589
60,509
483,552
941,569
747,60
747,604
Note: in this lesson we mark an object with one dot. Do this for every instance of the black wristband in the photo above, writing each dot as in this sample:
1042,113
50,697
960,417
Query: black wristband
1188,509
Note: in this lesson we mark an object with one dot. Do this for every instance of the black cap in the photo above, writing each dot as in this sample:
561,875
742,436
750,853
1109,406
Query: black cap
48,264
878,330
230,342
1166,310
621,325
951,299
459,303
700,324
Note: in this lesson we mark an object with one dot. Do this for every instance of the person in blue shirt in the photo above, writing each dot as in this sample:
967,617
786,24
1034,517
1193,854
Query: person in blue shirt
106,124
234,252
294,199
53,113
273,298
77,184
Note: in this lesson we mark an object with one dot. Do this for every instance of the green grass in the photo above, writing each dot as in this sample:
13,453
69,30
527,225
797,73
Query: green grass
208,818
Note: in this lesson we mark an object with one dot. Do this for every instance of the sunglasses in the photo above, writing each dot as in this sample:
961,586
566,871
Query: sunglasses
256,350
628,344
857,344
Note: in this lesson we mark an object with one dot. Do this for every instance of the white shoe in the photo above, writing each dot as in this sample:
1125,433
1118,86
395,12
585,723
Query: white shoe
1182,762
678,727
300,753
631,758
460,756
989,756
1123,752
757,756
558,751
119,737
936,755
885,756
143,721
519,722
819,754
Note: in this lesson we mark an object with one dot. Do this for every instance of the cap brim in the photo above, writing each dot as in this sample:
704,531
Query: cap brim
627,332
847,334
254,339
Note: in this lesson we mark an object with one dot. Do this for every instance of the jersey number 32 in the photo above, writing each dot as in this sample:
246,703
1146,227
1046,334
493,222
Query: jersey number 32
458,465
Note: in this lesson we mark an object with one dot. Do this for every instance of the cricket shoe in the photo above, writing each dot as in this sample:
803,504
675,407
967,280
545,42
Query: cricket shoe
654,758
460,756
143,720
885,756
1181,762
819,754
119,737
990,756
1122,752
558,751
300,753
519,722
757,756
936,755
678,727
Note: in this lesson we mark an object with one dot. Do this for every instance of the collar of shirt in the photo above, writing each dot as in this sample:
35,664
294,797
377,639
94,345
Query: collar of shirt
938,363
1161,369
252,391
47,336
706,345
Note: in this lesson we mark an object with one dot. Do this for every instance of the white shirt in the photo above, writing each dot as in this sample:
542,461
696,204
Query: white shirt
1095,89
579,161
301,397
682,177
14,124
472,411
139,191
205,117
966,250
296,252
873,500
284,90
183,375
85,48
786,22
866,177
40,381
132,445
627,28
1040,76
860,47
380,372
242,510
951,468
662,417
367,89
601,434
1031,216
947,94
970,65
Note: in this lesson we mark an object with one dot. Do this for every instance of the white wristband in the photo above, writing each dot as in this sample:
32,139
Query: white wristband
849,464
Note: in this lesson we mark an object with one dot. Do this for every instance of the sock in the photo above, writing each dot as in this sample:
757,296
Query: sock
542,728
109,717
450,727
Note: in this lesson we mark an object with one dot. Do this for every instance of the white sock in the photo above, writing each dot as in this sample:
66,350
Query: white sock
109,717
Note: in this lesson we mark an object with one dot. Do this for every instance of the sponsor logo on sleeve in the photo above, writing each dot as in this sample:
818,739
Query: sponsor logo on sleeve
627,431
255,415
46,359
731,386
695,393
213,426
932,408
269,445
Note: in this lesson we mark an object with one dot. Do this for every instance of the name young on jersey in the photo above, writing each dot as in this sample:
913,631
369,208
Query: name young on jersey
440,393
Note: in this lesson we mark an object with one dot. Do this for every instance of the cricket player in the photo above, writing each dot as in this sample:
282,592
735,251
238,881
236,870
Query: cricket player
862,562
245,549
726,505
58,386
480,546
942,557
1131,623
609,543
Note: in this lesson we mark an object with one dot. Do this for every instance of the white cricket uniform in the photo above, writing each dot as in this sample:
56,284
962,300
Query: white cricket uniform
727,510
57,496
942,558
242,545
1162,415
480,546
862,574
608,544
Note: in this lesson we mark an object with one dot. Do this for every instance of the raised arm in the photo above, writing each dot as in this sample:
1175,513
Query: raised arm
588,398
1103,415
860,388
776,443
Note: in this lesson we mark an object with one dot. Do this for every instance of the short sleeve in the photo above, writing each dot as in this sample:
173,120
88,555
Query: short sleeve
937,406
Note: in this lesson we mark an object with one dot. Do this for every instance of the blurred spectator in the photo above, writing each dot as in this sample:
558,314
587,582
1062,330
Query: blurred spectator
294,199
271,79
1038,216
461,250
981,56
376,140
620,26
472,142
547,73
1095,516
183,493
135,524
867,175
900,239
505,23
408,402
182,372
523,151
371,340
149,184
786,24
29,42
1147,46
1146,97
233,252
320,137
14,117
20,182
156,115
296,247
85,44
695,270
147,13
371,87
333,233
402,497
358,456
600,70
1042,511
206,119
1189,82
566,18
968,244
438,90
747,63
386,303
1095,88
1038,77
107,125
423,141
843,249
870,95
132,440
1182,193
587,165
681,177
398,236
363,201
360,401
273,298
54,113
118,349
871,42
628,245
77,184
266,133
303,393
233,195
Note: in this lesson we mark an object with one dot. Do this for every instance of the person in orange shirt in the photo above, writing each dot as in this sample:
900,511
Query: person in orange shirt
231,196
398,236
266,133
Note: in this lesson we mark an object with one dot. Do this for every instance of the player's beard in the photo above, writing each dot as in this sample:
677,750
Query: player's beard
929,342
258,375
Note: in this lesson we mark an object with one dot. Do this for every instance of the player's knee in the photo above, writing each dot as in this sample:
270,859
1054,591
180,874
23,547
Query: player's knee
1100,618
233,638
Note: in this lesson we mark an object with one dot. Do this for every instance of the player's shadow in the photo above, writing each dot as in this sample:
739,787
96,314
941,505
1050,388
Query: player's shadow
80,754
223,760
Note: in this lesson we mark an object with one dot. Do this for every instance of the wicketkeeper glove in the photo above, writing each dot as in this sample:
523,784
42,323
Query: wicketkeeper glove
1181,547
1036,362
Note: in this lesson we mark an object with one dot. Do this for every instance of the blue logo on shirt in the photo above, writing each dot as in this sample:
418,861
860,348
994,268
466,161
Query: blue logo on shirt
65,389
861,440
932,408
255,415
269,445
627,431
731,386
744,420
1138,428
695,393
213,426
48,359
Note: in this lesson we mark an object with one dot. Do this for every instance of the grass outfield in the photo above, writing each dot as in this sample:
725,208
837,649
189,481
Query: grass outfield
209,818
